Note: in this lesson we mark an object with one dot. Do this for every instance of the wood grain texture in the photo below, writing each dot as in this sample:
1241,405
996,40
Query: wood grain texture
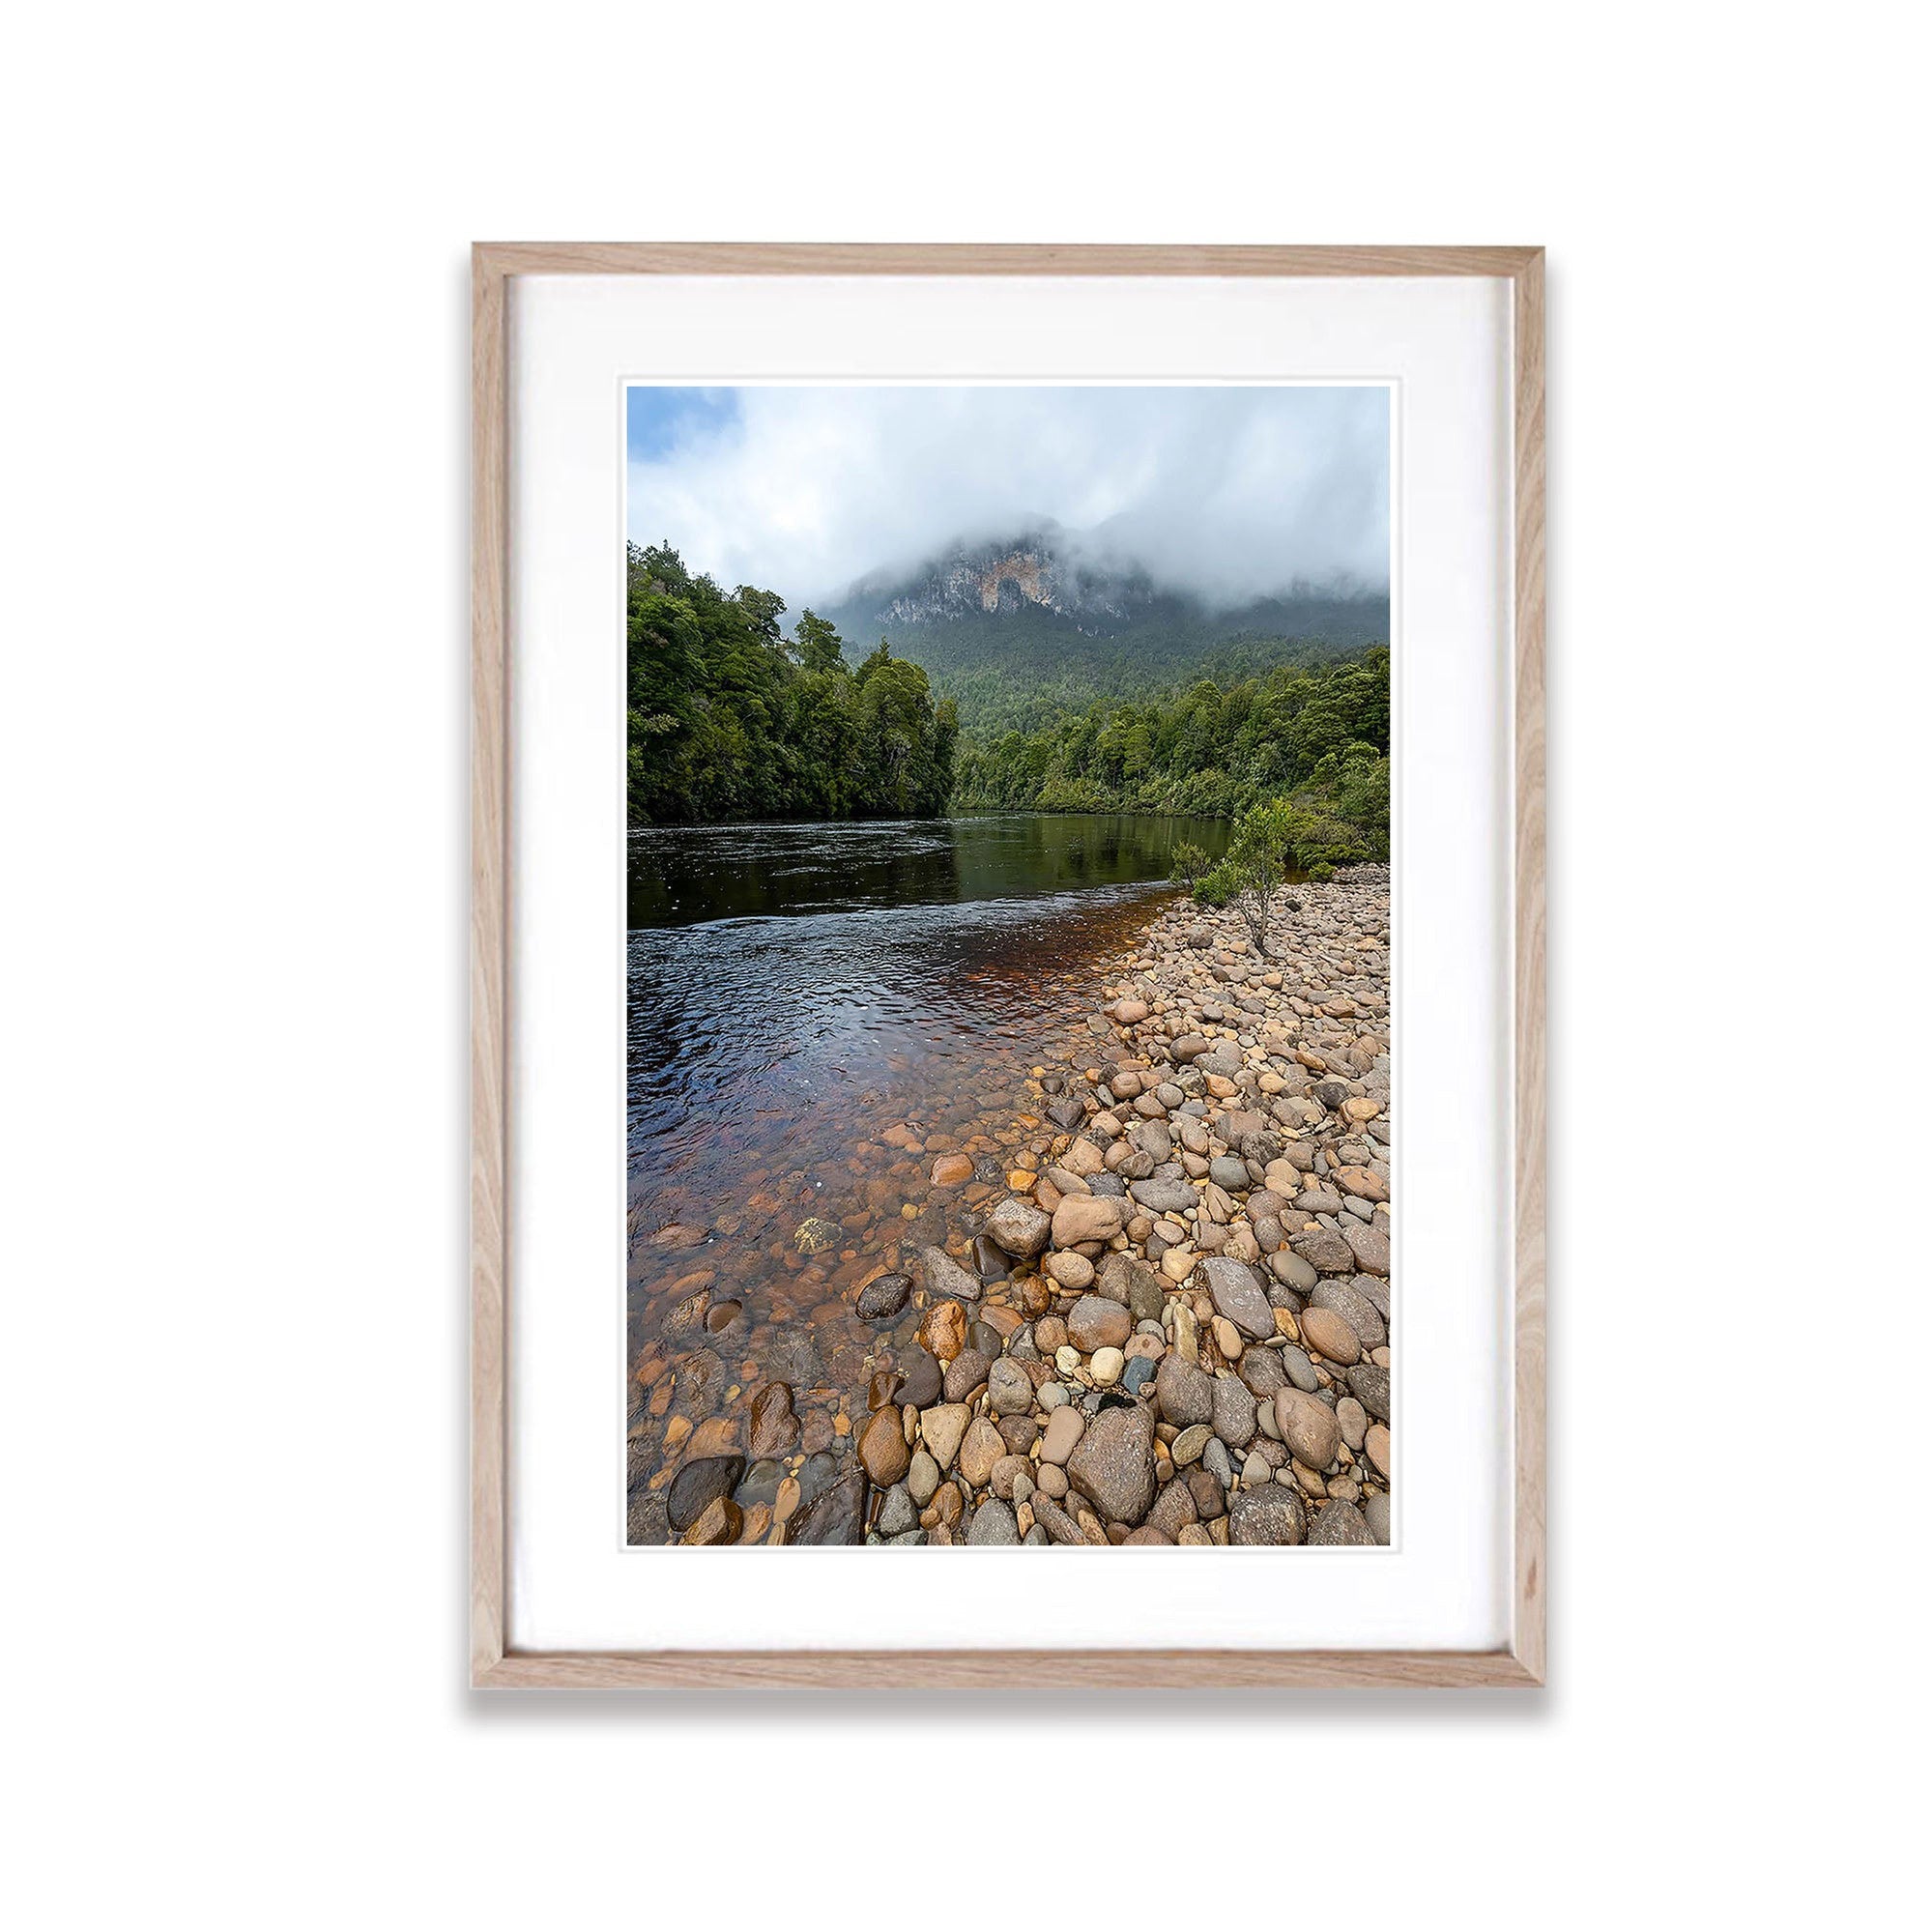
1522,1662
489,960
873,259
1009,1670
1531,1015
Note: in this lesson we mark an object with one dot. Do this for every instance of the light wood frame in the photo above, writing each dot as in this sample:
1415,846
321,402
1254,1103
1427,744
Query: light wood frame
1521,1662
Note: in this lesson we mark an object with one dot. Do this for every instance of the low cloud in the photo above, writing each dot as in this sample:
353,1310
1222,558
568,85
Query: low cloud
1229,493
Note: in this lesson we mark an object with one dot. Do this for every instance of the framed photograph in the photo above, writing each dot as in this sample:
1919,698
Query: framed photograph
1007,995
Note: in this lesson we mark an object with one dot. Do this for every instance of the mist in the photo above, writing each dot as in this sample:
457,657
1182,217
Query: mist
1227,493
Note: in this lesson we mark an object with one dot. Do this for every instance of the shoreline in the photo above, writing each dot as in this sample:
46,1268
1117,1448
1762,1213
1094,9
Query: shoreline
1155,1310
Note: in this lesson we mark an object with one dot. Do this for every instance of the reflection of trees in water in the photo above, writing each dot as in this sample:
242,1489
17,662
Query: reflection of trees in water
687,876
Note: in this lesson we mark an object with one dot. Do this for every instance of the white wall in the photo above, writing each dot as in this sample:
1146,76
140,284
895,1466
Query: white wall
234,826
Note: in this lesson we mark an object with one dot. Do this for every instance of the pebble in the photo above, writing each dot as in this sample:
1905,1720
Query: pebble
982,1447
881,1298
1113,1464
774,1429
898,1512
1339,1523
1086,1218
698,1484
1353,1421
1355,1309
966,1373
1231,1412
944,1277
1009,1389
1095,1321
883,1449
1269,1514
837,1517
1299,1370
923,1378
1375,1513
1020,1227
1369,1248
1123,1279
1328,1335
922,1478
1371,1386
1308,1427
992,1522
940,1429
1069,1269
1237,1295
1183,1391
720,1521
1064,1429
943,1331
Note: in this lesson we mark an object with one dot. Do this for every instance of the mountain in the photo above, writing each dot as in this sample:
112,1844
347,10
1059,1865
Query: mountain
1024,625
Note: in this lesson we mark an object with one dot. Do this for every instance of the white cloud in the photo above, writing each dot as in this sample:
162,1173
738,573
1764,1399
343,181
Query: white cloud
1231,492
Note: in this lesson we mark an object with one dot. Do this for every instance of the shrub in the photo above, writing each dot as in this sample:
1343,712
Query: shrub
1216,887
1189,864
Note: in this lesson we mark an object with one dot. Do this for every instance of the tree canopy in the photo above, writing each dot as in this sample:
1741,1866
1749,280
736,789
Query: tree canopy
729,720
1317,737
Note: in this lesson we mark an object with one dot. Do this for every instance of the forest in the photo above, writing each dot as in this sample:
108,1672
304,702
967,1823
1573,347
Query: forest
728,719
1315,735
1013,668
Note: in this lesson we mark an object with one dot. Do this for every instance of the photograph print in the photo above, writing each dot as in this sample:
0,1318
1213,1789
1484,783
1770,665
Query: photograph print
1008,1031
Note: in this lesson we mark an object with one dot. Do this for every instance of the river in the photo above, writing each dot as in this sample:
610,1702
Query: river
817,1012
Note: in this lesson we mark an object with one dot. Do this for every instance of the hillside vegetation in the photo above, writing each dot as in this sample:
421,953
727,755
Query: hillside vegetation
730,719
727,719
1317,737
1020,665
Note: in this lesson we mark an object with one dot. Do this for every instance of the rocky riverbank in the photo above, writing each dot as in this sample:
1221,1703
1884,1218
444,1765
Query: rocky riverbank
1153,1308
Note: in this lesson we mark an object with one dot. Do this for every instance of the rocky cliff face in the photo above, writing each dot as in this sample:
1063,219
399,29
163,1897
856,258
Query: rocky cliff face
1004,576
1041,608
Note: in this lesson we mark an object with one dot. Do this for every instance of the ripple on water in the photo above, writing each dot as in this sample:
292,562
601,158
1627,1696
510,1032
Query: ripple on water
814,1063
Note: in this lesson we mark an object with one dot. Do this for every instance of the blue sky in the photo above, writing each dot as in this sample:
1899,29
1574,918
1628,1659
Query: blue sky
657,421
1231,491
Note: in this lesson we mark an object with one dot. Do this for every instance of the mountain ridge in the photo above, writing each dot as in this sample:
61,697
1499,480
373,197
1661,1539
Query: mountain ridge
1038,617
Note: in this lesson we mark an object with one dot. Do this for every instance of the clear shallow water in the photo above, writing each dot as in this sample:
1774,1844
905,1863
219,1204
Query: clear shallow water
773,968
816,1012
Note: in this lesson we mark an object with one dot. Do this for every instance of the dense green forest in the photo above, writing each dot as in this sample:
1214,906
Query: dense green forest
730,719
727,719
1018,667
995,700
1315,735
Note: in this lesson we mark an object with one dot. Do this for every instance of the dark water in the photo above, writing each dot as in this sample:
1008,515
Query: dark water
772,967
682,876
816,1013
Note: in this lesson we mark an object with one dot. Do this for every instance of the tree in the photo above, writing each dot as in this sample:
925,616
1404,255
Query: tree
820,648
1189,863
1249,877
1318,736
724,724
